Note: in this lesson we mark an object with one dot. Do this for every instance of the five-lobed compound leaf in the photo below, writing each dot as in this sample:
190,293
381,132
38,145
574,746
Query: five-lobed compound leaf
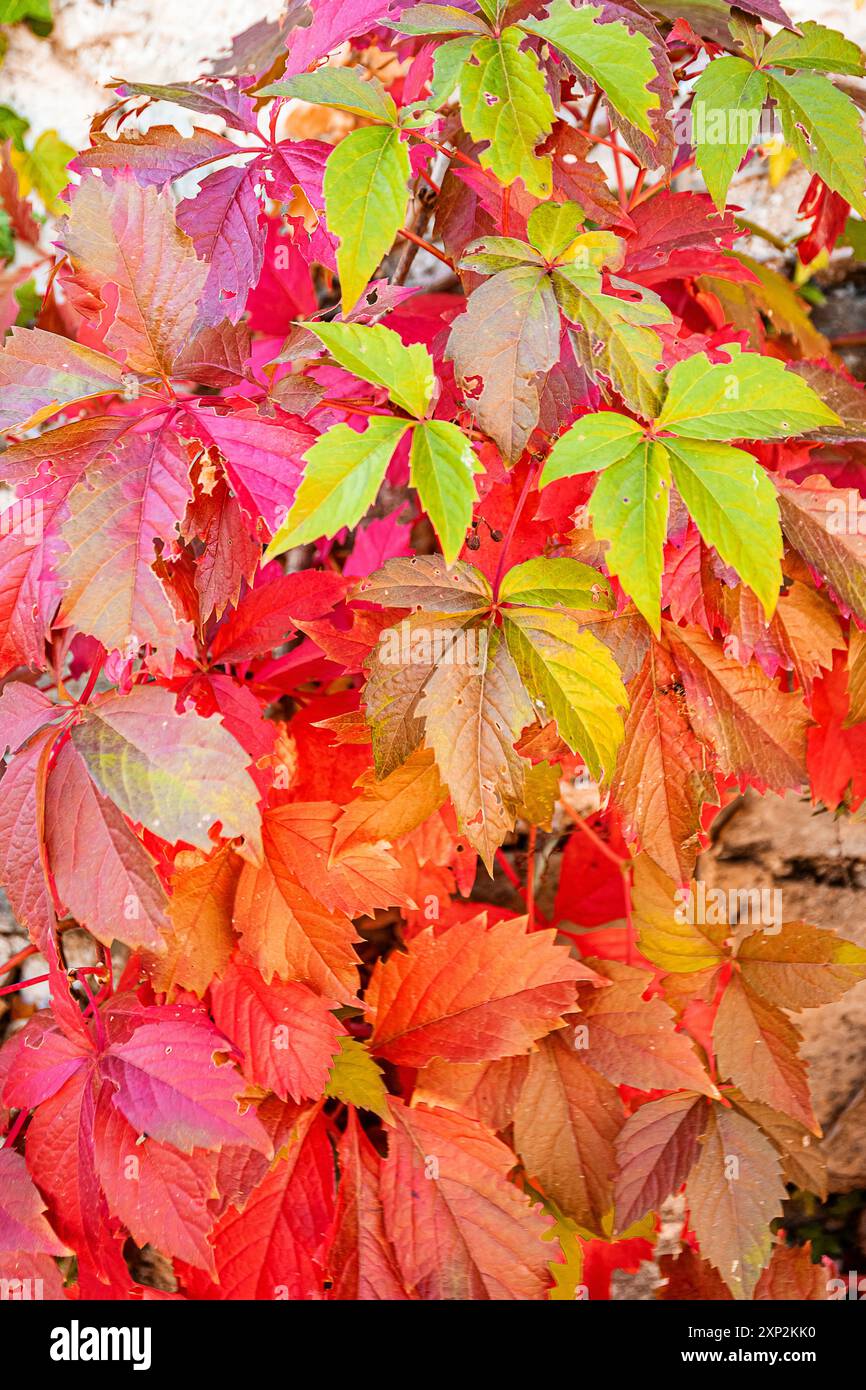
726,491
131,552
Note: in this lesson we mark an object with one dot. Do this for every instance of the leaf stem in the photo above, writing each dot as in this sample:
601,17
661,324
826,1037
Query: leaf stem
92,679
596,839
426,246
531,477
530,877
17,1126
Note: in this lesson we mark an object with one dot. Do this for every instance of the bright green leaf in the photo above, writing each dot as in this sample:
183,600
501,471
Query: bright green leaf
13,127
728,99
735,506
592,443
343,474
573,679
345,88
815,47
822,126
629,510
449,61
556,582
44,168
7,239
366,196
552,227
505,102
442,468
619,62
750,397
377,354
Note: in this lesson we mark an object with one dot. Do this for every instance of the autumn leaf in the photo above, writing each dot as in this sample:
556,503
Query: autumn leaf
662,779
198,938
473,993
356,1079
757,1048
286,1034
631,1040
499,1253
565,1126
656,1151
130,743
800,966
473,718
360,1255
733,1193
120,234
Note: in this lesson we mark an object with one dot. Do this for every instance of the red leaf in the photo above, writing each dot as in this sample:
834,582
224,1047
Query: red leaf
285,1033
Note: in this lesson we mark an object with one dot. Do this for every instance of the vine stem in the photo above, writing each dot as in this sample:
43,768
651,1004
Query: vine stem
92,679
41,979
426,246
530,877
624,865
605,849
14,961
16,1129
531,477
638,185
514,879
